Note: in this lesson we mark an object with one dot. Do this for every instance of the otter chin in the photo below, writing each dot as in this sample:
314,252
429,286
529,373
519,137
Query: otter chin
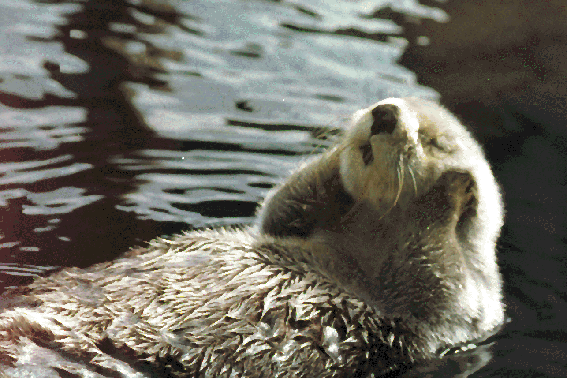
377,258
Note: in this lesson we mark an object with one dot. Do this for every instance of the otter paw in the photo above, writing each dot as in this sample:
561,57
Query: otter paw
460,189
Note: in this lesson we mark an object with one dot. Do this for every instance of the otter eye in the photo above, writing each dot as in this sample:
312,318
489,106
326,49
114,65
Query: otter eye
440,144
435,142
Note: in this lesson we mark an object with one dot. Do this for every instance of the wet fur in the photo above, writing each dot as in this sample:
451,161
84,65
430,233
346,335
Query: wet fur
332,283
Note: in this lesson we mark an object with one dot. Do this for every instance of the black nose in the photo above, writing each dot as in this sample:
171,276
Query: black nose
385,119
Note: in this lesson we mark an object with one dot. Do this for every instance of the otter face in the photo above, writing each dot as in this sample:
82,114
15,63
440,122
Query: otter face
397,148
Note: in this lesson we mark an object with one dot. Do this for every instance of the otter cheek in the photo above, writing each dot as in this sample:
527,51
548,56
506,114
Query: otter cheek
351,171
360,180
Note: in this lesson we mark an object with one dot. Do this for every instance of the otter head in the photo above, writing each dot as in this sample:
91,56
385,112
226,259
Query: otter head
397,149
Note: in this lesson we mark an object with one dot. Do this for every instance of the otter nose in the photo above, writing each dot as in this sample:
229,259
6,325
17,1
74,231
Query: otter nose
385,119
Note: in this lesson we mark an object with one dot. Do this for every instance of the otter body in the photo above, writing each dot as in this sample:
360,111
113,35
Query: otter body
375,259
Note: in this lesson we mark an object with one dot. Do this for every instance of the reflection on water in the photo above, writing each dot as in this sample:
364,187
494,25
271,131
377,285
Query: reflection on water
199,187
121,121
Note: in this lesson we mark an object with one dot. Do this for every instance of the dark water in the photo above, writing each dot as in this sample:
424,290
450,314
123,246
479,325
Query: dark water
124,120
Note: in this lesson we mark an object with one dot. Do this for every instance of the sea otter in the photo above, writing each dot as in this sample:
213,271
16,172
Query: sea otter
375,259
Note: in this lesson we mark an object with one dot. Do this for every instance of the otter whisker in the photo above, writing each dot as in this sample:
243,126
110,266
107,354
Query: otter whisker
400,171
413,179
400,181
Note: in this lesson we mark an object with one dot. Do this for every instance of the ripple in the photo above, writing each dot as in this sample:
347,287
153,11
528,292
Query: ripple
60,201
24,270
14,176
43,129
204,177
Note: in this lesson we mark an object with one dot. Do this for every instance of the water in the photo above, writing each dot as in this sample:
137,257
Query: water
122,121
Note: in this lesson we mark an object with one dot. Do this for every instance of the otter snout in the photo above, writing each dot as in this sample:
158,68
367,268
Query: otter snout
385,118
386,122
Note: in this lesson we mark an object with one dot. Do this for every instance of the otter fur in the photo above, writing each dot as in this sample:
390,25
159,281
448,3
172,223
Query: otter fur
376,259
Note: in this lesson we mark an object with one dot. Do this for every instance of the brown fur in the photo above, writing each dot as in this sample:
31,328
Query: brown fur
288,300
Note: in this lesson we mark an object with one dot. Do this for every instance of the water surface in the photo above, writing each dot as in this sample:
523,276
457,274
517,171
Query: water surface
122,121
